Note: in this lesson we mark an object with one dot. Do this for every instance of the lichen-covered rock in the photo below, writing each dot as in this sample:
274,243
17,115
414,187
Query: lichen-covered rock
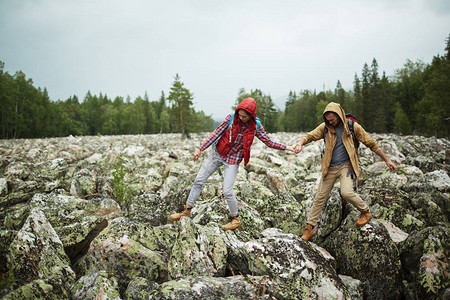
14,217
204,287
151,209
197,251
438,179
275,189
141,288
285,212
83,183
399,216
120,250
331,216
397,235
354,287
95,286
76,221
425,258
6,238
37,289
3,187
297,269
368,254
38,253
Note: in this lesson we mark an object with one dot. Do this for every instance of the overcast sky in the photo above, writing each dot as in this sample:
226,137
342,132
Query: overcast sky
122,48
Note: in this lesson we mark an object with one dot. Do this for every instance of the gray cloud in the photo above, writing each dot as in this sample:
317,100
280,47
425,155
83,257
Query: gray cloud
129,47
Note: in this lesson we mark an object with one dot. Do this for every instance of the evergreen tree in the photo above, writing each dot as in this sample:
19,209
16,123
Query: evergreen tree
434,109
66,117
386,108
447,47
90,109
109,126
289,117
357,100
164,121
7,103
340,94
181,111
320,107
407,84
401,122
267,113
365,94
119,106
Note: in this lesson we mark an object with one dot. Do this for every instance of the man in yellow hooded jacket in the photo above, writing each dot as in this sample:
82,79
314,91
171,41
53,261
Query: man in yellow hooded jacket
339,161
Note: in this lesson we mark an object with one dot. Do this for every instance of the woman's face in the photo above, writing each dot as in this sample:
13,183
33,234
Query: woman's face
243,116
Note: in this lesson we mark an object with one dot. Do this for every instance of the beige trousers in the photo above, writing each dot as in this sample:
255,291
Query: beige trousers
343,173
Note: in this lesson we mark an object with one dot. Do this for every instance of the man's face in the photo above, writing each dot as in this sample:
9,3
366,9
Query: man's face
333,119
243,116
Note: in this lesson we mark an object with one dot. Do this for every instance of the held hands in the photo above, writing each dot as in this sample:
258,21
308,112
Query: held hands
197,154
290,148
298,148
295,148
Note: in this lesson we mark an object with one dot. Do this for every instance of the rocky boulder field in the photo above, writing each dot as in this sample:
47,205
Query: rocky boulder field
87,218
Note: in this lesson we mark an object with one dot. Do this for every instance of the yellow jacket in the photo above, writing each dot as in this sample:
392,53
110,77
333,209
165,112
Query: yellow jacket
330,139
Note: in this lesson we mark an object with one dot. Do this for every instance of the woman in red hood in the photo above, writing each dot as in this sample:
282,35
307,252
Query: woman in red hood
235,138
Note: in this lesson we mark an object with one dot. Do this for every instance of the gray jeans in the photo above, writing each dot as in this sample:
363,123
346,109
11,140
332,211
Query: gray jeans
213,162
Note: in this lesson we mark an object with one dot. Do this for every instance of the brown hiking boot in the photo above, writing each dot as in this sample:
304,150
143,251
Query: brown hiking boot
308,232
234,223
364,218
185,213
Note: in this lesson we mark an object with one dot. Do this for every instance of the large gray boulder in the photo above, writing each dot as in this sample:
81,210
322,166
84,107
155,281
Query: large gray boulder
126,250
298,270
61,192
425,259
36,259
367,254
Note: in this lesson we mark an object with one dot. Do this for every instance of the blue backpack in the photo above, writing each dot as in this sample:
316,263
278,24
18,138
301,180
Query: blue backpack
230,125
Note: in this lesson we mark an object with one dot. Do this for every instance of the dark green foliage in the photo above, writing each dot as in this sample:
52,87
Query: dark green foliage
415,100
27,112
123,192
401,121
182,116
267,113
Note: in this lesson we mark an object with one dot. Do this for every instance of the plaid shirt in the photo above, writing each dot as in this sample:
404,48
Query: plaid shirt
236,153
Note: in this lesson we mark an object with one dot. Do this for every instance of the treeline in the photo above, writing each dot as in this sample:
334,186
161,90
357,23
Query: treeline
27,112
415,100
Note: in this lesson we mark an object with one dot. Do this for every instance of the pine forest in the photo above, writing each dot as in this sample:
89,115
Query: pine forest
413,101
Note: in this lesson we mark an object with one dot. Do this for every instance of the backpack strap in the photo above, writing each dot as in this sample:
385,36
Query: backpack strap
350,126
351,122
230,126
258,124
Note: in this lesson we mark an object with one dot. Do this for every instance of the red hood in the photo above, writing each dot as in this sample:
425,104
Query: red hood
249,105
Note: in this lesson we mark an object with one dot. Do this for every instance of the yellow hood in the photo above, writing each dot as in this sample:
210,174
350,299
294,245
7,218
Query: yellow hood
336,108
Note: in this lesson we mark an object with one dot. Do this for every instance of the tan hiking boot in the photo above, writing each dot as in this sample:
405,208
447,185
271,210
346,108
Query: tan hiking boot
308,232
364,218
234,223
185,213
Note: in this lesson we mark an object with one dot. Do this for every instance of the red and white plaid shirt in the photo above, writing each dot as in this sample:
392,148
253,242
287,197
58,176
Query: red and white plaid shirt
236,153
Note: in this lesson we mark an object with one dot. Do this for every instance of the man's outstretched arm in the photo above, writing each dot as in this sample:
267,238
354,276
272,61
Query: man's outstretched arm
388,162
